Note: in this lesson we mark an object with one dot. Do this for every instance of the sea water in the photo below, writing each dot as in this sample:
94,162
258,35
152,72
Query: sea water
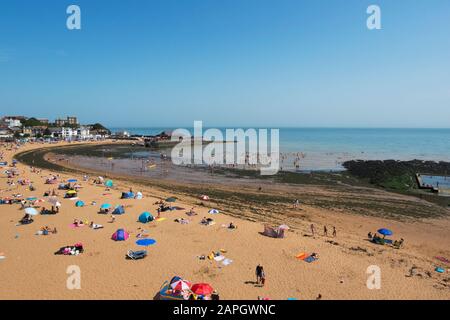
328,148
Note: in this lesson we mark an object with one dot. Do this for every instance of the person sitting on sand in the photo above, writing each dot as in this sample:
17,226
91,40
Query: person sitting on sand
232,226
369,235
26,219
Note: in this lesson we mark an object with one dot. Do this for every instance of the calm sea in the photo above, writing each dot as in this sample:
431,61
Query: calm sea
327,148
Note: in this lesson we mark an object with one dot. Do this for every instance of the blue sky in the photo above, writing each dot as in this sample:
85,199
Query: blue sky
229,63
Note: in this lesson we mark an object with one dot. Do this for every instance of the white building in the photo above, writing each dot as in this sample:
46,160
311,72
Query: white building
81,133
12,122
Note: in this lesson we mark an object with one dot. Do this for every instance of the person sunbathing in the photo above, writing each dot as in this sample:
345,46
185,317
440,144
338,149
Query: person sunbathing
95,226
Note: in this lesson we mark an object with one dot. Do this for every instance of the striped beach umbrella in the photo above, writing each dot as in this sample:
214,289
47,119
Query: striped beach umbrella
181,285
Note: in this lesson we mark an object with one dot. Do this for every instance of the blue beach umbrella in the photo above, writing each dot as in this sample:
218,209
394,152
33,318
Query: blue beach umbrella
31,198
145,242
105,206
385,232
72,180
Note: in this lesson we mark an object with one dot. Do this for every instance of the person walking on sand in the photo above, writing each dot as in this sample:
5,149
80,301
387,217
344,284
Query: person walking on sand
334,232
325,231
258,273
312,229
263,277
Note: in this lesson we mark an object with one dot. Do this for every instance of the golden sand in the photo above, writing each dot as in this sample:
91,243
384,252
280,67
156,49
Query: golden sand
30,270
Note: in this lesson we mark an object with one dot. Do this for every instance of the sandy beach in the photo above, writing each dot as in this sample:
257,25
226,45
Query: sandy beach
31,270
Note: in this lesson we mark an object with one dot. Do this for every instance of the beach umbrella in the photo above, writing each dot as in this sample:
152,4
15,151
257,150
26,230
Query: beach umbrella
105,206
72,180
204,197
145,242
385,232
31,211
213,211
203,289
283,227
171,199
181,285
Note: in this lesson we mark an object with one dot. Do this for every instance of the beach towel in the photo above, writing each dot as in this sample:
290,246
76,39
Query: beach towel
443,259
227,262
73,225
161,219
219,258
145,242
439,270
301,256
309,259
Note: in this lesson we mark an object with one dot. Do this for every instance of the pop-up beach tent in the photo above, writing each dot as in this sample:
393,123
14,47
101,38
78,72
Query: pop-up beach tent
119,210
275,232
145,217
109,183
127,195
79,203
120,235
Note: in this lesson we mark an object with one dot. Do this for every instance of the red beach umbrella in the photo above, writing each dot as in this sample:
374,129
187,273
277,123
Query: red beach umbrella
202,289
181,285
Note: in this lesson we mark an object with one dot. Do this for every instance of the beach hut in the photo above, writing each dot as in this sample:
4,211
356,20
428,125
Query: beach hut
79,203
145,217
120,235
119,210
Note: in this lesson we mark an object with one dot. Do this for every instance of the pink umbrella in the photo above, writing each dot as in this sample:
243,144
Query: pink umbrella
181,285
